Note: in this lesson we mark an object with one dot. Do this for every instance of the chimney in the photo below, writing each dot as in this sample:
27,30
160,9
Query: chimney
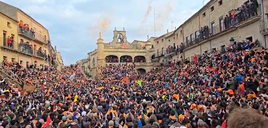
147,37
175,27
167,30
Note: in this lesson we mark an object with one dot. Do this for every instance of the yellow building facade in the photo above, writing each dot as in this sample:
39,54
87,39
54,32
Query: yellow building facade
119,51
23,39
209,29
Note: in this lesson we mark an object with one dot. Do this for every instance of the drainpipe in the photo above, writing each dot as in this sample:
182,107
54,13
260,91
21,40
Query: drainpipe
262,23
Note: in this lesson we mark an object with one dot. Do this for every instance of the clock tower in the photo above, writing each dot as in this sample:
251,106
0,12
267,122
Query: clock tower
120,37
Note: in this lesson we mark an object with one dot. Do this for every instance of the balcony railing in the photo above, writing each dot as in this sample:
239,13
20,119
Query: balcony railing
26,33
32,35
25,48
40,38
8,45
221,28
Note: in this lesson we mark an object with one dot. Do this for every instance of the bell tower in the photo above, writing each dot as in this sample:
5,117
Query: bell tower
120,36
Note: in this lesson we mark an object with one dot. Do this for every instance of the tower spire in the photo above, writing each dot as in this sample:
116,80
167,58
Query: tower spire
100,35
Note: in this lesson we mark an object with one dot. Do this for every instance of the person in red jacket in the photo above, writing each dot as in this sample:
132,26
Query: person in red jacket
9,42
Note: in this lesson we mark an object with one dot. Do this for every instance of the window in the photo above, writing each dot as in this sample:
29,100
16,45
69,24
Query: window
204,14
250,38
21,61
187,39
177,35
157,42
191,38
220,2
169,40
157,52
152,46
212,9
8,24
267,18
221,24
212,28
12,59
162,51
162,40
197,34
4,38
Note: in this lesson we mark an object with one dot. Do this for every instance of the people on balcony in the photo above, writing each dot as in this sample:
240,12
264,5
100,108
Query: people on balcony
139,59
9,42
111,59
233,18
125,59
40,53
25,29
25,47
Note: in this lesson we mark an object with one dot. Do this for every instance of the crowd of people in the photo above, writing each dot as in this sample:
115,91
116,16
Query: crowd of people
220,89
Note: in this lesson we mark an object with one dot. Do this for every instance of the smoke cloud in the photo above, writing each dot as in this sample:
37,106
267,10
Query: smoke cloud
102,24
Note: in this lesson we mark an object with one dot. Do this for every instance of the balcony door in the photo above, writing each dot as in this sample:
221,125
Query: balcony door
4,38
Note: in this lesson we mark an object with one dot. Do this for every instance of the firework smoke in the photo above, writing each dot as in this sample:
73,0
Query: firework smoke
101,26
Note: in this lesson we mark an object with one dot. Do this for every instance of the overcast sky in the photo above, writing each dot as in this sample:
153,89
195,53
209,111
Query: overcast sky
74,24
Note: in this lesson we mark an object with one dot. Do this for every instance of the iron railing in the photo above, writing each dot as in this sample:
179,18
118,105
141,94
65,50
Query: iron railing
32,35
26,33
6,44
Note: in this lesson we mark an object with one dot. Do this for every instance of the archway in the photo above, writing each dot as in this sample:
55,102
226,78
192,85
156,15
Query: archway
111,59
141,71
139,59
153,56
125,58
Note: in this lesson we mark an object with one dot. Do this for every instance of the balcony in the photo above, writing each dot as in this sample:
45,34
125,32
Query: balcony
40,38
219,30
26,33
32,36
41,54
8,46
25,48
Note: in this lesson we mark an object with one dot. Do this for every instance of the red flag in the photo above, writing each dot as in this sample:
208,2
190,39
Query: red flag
47,122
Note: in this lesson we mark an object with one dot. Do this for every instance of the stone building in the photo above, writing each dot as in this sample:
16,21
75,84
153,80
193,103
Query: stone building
119,51
212,27
23,39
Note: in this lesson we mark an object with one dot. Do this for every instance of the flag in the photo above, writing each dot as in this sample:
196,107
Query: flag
72,76
47,122
139,82
126,80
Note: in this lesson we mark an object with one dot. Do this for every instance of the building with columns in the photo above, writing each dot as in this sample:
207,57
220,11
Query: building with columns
119,51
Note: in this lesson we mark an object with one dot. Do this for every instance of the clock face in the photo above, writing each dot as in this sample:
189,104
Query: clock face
120,38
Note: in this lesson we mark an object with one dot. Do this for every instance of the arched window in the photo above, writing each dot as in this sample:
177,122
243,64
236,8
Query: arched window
125,58
139,59
141,71
111,59
153,56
